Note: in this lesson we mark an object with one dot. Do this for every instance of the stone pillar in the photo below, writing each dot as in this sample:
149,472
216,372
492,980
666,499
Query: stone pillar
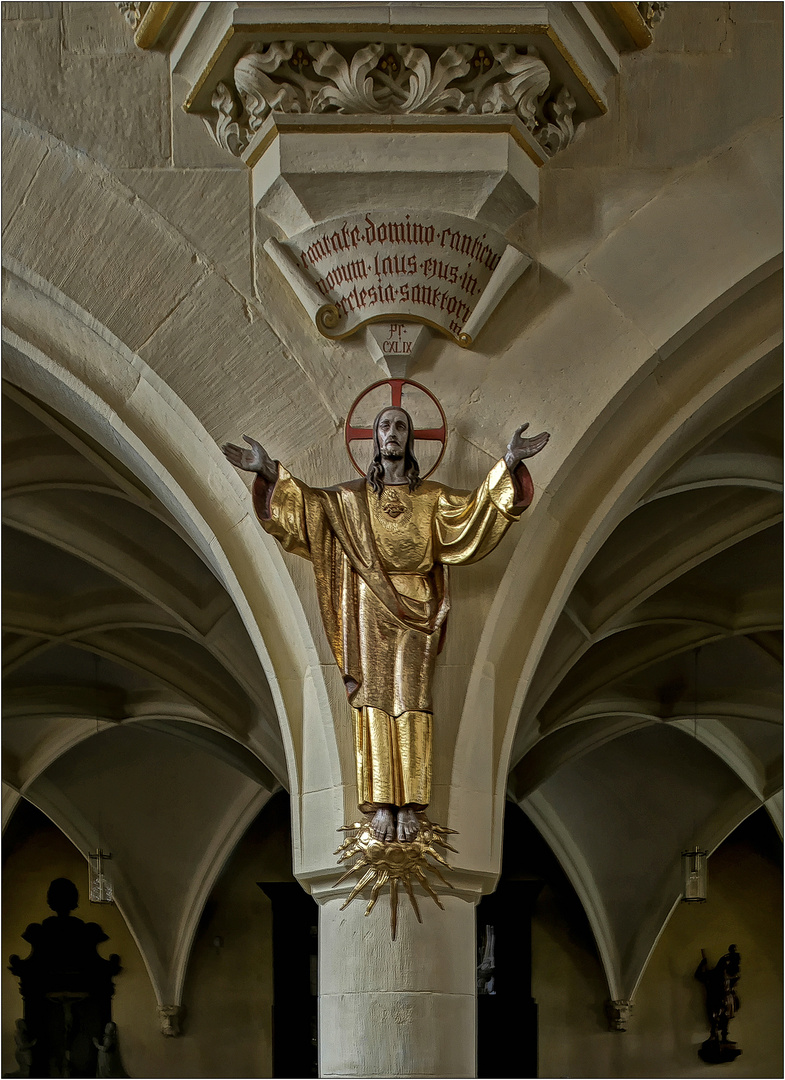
397,1008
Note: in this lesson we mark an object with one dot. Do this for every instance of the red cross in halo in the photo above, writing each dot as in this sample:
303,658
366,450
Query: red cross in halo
438,434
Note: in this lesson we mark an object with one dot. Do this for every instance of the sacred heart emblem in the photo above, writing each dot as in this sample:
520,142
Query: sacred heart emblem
392,505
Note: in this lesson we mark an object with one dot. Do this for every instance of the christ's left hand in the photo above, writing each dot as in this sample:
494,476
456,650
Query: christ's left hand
520,448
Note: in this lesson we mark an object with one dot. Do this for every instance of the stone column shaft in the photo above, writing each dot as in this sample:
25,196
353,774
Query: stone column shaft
403,1008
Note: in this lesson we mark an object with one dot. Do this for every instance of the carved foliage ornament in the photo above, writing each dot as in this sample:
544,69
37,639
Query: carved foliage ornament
132,13
652,13
395,80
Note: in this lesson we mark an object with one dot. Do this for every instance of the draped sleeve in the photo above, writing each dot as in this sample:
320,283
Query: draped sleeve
298,516
280,507
468,526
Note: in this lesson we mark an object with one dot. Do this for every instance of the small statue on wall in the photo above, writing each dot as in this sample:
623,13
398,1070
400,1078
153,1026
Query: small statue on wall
23,1050
109,1063
486,967
722,1004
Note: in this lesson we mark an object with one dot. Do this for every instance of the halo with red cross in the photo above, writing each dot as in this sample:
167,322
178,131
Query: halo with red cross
430,423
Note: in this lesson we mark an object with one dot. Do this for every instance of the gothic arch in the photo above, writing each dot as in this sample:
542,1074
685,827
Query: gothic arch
57,355
692,421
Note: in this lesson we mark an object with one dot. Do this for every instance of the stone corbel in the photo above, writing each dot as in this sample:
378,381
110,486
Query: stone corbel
618,1012
406,116
170,1018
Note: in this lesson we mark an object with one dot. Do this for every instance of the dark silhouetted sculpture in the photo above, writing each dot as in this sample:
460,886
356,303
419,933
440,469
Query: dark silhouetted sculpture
67,989
722,1004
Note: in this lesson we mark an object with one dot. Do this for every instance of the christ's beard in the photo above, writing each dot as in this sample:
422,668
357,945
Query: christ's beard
392,453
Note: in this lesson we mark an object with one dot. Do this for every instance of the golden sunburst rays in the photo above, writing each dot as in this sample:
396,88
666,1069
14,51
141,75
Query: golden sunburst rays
381,862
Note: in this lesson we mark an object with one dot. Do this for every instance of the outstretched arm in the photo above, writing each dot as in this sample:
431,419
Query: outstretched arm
254,459
520,448
469,525
277,496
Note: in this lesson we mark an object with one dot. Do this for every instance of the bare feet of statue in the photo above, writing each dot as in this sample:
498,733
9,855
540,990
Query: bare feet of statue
383,823
408,825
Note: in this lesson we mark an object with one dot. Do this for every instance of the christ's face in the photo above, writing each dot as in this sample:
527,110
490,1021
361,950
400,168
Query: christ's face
393,431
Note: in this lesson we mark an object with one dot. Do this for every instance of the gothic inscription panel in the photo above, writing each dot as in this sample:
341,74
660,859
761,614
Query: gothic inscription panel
434,268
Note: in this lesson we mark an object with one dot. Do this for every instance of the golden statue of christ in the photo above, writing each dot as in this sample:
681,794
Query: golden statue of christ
380,548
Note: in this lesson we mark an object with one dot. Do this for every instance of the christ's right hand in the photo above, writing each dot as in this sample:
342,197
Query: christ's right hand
255,459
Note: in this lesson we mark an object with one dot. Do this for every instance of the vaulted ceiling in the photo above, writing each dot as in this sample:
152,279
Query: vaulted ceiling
134,703
165,664
653,720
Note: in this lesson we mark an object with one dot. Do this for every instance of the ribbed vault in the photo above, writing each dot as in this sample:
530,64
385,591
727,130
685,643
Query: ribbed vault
615,666
653,719
135,705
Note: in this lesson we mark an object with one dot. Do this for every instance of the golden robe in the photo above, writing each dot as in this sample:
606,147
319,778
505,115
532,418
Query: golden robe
381,577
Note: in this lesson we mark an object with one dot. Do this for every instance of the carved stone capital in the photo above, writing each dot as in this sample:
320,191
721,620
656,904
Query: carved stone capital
618,1011
380,79
549,69
330,110
170,1017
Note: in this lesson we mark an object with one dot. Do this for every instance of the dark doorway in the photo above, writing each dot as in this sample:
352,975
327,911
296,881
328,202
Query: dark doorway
295,981
506,1010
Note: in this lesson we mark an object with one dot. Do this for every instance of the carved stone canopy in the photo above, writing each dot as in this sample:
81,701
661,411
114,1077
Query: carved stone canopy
402,111
496,95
